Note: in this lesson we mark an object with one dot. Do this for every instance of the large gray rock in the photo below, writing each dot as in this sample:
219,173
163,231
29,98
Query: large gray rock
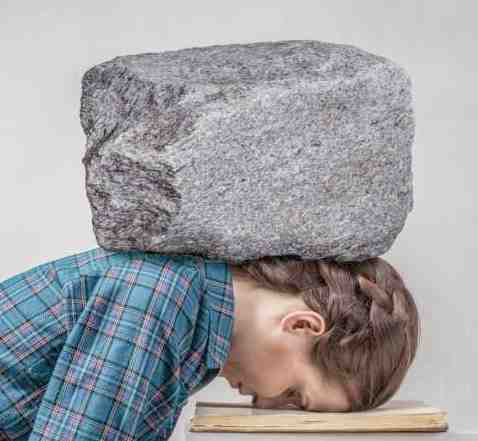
248,150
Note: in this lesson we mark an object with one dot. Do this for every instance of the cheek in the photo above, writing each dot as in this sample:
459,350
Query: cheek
270,375
266,365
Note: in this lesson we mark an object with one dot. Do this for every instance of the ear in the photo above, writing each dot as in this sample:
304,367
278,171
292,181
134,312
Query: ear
304,322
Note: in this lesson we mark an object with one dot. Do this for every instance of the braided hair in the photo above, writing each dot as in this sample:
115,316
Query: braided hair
372,322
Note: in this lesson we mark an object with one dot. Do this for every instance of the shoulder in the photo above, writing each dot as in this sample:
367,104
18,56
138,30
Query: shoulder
156,283
145,268
164,275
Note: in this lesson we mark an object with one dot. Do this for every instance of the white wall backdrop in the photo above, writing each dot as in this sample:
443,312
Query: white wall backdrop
47,46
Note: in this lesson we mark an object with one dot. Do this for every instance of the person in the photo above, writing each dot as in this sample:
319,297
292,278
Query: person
111,344
321,335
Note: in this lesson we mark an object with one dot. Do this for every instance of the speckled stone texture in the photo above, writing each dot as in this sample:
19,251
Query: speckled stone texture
241,151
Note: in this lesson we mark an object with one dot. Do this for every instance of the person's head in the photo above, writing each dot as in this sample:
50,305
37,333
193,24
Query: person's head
327,335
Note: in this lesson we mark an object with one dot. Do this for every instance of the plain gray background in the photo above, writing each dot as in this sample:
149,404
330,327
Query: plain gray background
47,46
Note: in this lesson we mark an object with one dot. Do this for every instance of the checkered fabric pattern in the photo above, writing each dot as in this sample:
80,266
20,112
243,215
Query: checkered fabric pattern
109,345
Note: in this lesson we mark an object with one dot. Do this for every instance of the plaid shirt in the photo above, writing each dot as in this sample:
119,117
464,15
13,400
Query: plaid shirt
109,345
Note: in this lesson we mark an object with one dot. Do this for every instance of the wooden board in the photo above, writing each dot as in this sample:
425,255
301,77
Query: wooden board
393,416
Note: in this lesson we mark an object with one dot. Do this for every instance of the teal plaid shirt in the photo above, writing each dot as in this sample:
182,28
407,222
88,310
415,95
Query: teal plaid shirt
109,345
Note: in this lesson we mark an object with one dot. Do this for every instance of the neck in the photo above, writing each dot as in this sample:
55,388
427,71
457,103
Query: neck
245,303
254,305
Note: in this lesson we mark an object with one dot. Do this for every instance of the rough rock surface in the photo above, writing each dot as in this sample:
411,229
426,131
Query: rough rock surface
242,151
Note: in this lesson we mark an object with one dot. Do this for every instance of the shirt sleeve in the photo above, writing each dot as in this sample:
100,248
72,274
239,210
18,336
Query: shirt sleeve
117,376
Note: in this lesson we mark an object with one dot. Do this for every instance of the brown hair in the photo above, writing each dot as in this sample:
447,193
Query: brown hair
372,322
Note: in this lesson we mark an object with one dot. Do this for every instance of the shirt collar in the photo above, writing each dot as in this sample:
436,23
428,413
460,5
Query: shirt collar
218,291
